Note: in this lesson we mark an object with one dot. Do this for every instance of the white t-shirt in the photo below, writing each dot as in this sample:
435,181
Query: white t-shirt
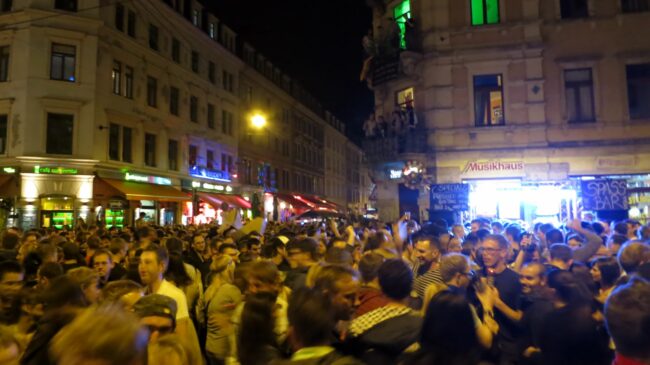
169,290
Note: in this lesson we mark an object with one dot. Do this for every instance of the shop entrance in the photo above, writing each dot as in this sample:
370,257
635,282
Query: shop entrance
57,211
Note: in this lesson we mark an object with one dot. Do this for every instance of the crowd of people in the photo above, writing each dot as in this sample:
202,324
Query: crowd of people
331,292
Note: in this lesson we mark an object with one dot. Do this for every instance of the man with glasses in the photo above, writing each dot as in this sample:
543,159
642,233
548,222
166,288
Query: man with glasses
506,281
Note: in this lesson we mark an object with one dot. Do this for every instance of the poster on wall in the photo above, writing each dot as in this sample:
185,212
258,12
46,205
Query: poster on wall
450,197
604,194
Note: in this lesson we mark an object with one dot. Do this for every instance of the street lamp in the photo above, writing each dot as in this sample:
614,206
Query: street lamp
258,121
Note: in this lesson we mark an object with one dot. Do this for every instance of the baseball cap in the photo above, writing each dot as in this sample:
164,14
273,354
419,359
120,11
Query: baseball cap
156,305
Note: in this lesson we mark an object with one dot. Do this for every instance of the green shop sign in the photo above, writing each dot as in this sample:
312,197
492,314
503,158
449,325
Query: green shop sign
9,170
55,170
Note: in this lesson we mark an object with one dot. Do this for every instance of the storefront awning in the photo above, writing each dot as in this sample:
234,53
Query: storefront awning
210,199
296,202
233,200
140,191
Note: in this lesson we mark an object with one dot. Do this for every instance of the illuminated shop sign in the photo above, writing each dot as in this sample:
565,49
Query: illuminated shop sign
55,170
395,174
9,170
147,179
480,169
205,173
213,187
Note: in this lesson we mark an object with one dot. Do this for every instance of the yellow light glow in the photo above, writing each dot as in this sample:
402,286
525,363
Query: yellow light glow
258,121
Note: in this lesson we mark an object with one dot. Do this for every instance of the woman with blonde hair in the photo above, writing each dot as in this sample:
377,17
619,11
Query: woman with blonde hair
221,299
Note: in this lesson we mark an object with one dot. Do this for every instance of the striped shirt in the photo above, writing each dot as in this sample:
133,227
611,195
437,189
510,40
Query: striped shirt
422,282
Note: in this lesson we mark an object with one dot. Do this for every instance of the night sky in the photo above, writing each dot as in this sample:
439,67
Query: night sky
317,42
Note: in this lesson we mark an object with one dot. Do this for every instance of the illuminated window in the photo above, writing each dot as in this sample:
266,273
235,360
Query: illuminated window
485,12
488,100
638,90
579,90
401,13
63,62
404,98
573,9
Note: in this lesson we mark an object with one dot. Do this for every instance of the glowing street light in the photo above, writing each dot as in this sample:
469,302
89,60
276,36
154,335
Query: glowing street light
258,121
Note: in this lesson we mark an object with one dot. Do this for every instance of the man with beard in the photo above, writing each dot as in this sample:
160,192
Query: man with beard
536,304
426,272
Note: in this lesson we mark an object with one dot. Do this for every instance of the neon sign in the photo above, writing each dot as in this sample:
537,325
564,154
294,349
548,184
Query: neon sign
55,170
205,173
214,187
9,170
148,179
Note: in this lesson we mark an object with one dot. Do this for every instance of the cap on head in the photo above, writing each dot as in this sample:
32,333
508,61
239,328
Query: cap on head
156,305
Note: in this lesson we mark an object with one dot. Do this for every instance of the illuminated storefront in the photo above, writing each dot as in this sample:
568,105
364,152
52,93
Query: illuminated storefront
209,201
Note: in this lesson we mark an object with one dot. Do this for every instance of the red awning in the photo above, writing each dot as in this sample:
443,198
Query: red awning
320,203
294,200
210,199
234,200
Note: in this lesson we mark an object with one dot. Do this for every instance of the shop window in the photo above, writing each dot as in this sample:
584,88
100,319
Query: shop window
5,5
638,90
128,82
195,62
209,163
635,6
67,5
119,17
114,142
116,76
150,149
579,91
3,134
4,63
152,91
484,12
176,50
127,144
130,24
212,72
574,9
59,134
172,155
211,116
153,37
194,109
63,62
488,100
173,101
401,13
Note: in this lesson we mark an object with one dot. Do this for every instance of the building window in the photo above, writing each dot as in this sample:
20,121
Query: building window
119,17
573,9
210,116
4,63
638,90
579,90
150,149
226,162
5,5
402,13
176,50
128,82
193,155
62,65
67,5
195,17
172,155
635,6
212,31
404,98
228,81
59,134
195,61
117,77
212,71
153,37
488,100
127,144
173,100
152,92
194,109
209,159
130,24
3,134
226,123
114,142
484,12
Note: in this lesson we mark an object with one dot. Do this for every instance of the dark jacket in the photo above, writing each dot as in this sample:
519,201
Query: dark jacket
386,341
296,278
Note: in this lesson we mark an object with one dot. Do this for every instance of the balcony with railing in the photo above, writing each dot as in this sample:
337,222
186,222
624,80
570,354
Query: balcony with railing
388,139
